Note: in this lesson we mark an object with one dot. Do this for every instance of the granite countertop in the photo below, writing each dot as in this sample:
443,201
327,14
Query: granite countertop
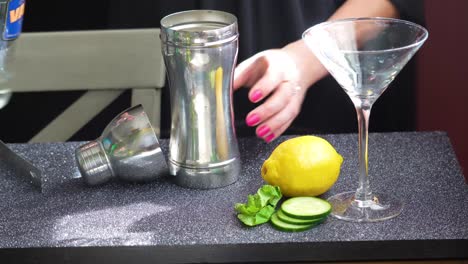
160,221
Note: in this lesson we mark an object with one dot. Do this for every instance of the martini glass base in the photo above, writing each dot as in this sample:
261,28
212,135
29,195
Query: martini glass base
380,207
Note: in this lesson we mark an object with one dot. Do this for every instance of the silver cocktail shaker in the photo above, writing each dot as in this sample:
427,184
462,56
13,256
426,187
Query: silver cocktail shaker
200,52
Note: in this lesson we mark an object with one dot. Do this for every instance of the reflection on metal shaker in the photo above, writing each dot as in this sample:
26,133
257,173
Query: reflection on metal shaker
200,51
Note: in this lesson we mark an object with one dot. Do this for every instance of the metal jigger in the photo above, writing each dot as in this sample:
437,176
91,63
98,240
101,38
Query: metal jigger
127,149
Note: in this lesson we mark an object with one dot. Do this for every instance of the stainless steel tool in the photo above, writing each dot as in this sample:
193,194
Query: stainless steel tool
200,51
127,149
20,166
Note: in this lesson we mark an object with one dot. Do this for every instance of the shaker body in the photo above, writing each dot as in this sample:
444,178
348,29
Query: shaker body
203,151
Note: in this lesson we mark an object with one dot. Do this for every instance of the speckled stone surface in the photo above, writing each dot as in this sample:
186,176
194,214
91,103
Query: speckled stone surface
420,168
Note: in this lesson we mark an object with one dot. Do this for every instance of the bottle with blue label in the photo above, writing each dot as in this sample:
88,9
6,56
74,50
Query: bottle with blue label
11,22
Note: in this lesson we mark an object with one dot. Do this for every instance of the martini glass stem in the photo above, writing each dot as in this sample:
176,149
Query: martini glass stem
363,193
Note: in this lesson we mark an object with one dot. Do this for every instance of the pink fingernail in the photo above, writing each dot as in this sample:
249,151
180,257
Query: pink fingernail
256,95
252,120
269,138
262,131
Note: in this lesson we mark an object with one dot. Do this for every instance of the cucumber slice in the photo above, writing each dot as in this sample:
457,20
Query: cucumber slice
296,221
283,226
306,208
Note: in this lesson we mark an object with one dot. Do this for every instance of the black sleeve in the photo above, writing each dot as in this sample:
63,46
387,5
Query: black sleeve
412,10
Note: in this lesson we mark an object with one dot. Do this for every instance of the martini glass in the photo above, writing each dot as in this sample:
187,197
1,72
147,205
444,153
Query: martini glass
364,55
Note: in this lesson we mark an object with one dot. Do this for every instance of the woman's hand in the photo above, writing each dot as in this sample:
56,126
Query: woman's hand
279,79
273,80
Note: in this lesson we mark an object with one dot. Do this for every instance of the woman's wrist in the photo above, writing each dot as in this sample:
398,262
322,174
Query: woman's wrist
309,68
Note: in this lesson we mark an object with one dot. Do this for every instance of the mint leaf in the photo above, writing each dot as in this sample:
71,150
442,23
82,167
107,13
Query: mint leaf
251,208
243,209
247,219
269,195
254,201
261,217
259,207
264,214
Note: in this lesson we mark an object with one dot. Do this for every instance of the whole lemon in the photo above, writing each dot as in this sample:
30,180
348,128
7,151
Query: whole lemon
303,166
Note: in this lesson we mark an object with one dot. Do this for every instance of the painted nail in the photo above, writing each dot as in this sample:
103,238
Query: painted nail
262,131
269,138
256,95
252,120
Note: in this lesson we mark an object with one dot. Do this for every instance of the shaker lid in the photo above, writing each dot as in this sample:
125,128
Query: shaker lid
128,149
199,28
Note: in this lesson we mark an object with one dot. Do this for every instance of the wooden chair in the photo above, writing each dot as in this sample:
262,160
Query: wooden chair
103,62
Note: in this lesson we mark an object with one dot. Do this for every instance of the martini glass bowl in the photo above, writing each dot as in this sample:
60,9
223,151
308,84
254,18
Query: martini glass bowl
364,55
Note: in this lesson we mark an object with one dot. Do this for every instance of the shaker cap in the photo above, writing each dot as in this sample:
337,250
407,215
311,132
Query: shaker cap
127,149
199,28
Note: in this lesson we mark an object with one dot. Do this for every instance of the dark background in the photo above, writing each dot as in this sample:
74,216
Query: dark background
262,26
427,95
